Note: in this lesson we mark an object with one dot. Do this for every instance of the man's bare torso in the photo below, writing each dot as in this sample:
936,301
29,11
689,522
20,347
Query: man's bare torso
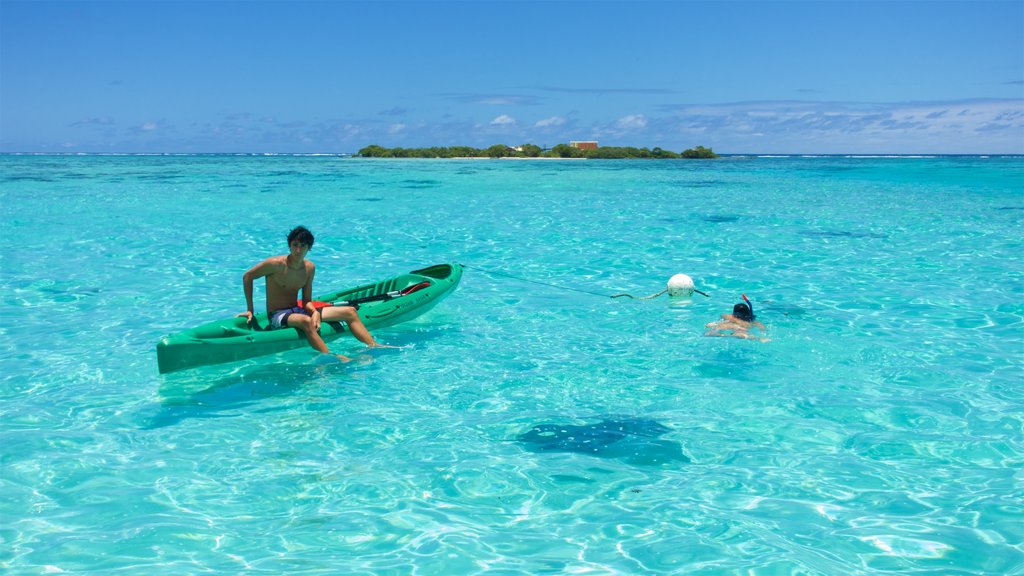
284,283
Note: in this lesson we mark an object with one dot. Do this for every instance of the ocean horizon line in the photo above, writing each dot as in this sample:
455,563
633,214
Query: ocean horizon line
355,155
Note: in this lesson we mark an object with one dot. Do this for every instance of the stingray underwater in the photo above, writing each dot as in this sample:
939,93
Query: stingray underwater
635,440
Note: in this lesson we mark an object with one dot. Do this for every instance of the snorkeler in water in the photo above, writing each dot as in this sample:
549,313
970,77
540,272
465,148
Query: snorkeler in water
737,324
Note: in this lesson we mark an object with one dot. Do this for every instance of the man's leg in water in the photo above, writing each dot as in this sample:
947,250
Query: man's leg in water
735,333
748,336
305,325
348,315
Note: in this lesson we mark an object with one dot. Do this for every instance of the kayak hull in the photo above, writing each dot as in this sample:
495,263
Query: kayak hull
231,339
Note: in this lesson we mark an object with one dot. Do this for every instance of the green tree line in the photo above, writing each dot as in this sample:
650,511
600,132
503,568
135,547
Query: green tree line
534,151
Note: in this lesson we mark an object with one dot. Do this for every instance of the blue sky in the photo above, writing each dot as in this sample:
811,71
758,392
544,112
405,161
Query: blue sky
292,76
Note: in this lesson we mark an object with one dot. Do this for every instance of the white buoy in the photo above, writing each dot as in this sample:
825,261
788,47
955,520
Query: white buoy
680,285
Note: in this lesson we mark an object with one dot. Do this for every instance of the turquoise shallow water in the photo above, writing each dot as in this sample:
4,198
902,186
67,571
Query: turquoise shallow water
879,432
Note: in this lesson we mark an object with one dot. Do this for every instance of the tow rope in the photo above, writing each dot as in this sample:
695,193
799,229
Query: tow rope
655,295
521,279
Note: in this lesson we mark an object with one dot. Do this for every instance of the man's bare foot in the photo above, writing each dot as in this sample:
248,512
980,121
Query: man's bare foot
379,345
343,358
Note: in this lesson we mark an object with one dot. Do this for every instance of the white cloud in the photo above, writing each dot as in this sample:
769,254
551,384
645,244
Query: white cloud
495,99
966,126
95,121
548,122
503,120
632,122
978,126
847,118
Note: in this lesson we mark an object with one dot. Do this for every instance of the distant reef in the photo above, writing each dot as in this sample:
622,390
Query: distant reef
534,151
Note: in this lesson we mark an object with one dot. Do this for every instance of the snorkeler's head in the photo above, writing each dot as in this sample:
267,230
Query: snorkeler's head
743,312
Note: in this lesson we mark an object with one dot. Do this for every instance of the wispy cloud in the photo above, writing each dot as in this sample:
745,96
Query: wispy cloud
96,121
551,122
631,129
603,91
795,126
396,111
503,120
631,122
495,99
949,126
844,117
146,128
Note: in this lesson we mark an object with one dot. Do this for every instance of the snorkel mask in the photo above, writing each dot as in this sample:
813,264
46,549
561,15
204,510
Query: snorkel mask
745,315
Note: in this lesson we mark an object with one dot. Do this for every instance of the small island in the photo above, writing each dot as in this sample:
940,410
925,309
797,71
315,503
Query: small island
581,150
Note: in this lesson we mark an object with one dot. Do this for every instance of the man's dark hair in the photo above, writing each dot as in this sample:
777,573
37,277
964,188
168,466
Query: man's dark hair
302,234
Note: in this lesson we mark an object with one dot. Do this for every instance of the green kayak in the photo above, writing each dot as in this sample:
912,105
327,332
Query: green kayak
381,304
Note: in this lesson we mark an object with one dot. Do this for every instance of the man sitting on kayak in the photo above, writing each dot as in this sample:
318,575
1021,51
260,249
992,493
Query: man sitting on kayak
286,275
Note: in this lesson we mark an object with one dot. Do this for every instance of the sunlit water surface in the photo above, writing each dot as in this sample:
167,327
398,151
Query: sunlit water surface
523,428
